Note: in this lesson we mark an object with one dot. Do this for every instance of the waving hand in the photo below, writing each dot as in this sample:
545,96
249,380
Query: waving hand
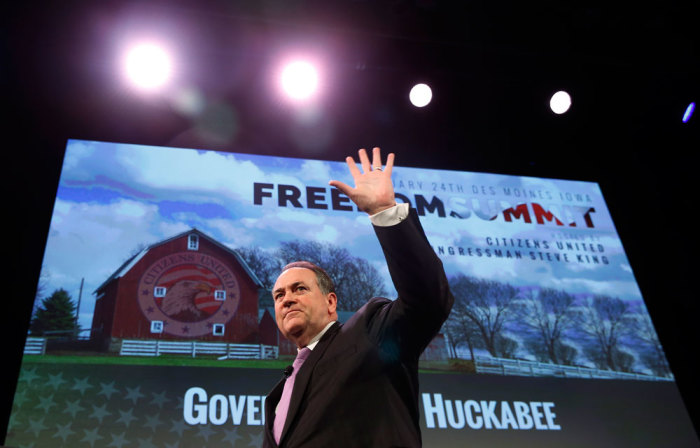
373,191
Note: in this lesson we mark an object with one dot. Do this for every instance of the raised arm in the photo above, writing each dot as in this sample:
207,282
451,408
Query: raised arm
424,301
373,191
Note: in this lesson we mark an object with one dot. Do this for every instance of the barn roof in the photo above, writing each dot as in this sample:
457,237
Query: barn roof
131,262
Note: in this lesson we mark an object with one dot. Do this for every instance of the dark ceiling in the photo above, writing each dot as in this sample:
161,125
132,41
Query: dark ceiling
492,65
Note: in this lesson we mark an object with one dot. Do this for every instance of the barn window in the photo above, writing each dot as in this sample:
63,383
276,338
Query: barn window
159,291
220,294
218,329
156,326
193,242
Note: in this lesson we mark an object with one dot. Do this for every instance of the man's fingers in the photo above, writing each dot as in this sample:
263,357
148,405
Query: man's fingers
389,164
376,158
364,160
354,170
343,187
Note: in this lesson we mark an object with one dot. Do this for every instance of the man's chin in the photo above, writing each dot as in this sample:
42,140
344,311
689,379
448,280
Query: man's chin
293,327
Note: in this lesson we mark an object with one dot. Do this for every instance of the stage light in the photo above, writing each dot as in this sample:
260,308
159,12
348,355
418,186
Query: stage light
299,80
148,66
420,95
560,102
688,112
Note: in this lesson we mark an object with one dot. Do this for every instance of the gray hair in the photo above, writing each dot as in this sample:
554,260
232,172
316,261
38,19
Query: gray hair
324,281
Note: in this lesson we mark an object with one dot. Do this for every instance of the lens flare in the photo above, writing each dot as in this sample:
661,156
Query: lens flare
148,66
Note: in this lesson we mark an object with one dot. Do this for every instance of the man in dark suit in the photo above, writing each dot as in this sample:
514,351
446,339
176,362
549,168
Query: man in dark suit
358,384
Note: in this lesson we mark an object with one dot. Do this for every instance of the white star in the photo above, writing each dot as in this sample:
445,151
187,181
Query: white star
36,426
100,412
118,440
126,417
82,385
107,390
55,381
91,436
133,394
73,407
205,431
152,421
64,431
29,375
178,427
159,399
45,403
20,397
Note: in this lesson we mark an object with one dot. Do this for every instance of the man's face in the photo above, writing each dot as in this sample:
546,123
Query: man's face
301,309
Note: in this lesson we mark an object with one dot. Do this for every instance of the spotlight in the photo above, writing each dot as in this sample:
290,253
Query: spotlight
299,80
420,95
560,102
148,66
688,112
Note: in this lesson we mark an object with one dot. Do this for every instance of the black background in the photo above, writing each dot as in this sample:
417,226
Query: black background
631,70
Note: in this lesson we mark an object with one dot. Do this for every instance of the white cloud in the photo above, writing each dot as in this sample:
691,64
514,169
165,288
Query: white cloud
298,216
76,151
623,290
316,172
92,240
169,229
327,234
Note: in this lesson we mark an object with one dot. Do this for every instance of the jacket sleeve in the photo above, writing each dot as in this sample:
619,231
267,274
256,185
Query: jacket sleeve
408,324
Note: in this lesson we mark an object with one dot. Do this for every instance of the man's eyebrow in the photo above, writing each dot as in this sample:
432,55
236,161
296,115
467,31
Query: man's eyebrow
293,285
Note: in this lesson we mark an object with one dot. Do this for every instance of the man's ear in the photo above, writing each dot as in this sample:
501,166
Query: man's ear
332,300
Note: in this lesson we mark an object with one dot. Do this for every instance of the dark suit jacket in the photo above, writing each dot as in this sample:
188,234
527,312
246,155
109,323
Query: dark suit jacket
359,386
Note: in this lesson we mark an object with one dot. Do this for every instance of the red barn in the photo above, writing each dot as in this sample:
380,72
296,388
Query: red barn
188,287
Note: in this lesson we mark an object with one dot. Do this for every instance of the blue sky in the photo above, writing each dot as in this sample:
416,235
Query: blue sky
113,198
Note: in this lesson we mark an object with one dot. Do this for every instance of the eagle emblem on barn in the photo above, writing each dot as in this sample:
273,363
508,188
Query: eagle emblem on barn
189,293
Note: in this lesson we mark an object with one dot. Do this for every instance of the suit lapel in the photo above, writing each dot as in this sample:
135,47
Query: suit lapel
302,379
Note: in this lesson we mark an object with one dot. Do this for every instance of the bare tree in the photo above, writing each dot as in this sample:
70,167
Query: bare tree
606,320
653,356
506,346
360,280
548,313
265,265
460,330
488,304
566,353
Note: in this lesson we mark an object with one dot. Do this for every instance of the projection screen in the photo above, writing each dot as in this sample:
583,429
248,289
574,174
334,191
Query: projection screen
170,254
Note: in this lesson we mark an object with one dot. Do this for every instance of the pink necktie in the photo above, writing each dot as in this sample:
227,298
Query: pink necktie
283,405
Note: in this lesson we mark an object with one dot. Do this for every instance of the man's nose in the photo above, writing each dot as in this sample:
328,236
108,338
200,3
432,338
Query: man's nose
288,299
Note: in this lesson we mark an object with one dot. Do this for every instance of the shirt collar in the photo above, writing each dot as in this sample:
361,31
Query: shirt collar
312,344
